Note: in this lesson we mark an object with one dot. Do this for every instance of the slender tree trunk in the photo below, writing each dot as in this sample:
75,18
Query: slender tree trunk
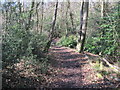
119,10
23,8
20,11
6,19
104,11
37,16
51,35
63,21
67,27
42,11
71,16
80,32
72,22
118,25
30,16
83,25
104,8
84,28
20,8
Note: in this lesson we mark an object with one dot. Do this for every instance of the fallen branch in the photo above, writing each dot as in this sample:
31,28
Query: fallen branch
116,68
118,85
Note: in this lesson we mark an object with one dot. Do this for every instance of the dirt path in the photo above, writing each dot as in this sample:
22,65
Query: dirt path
73,70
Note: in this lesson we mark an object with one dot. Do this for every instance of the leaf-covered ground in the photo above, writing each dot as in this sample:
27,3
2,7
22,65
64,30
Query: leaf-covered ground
68,69
74,71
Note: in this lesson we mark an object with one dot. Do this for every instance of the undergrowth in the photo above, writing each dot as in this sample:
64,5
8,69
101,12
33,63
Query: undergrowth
68,41
104,71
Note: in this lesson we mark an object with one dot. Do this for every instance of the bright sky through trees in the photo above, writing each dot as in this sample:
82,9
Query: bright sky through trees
59,0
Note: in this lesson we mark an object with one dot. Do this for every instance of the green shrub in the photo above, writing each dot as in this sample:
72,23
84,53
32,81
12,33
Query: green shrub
104,39
69,41
37,43
18,43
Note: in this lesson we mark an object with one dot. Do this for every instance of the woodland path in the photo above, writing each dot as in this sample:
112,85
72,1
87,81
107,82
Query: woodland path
73,70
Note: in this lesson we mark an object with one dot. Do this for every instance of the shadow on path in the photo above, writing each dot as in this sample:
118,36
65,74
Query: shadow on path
74,70
70,64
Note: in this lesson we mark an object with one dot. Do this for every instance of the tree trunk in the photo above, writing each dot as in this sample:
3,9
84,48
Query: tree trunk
66,15
63,15
80,32
6,19
37,16
104,8
42,11
30,16
83,26
20,11
51,35
20,8
71,16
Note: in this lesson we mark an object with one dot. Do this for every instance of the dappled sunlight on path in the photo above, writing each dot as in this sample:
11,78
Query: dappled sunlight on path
74,69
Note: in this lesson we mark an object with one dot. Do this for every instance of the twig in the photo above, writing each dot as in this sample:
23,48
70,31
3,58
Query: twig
117,85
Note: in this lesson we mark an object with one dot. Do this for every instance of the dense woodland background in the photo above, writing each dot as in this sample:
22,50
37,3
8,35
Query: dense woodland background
31,29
